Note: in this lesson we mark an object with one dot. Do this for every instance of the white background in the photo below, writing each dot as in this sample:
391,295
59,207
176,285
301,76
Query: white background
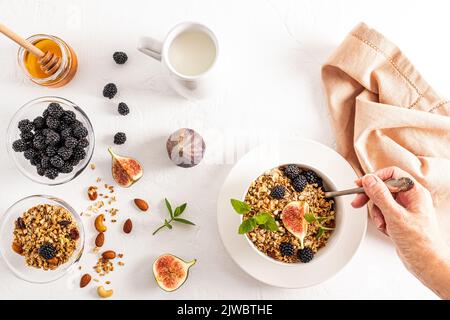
269,70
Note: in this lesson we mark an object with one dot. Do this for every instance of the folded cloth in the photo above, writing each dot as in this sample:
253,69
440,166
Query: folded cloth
385,114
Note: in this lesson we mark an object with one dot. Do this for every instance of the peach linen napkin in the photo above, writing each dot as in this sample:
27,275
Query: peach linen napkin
385,114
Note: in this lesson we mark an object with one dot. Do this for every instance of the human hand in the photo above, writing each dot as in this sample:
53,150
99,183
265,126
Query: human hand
409,220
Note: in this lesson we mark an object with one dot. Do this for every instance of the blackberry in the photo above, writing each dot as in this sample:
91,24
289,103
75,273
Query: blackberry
313,178
39,123
29,154
63,126
76,123
29,144
120,57
78,154
39,142
51,173
26,135
299,183
71,142
25,125
292,171
73,161
52,138
51,151
80,132
110,90
120,138
286,249
123,109
47,251
19,145
66,168
65,153
305,255
36,160
57,161
45,114
66,133
277,192
68,117
83,143
55,110
40,171
52,122
45,162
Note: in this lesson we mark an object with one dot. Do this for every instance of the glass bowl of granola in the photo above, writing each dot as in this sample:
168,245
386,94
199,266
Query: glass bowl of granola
42,238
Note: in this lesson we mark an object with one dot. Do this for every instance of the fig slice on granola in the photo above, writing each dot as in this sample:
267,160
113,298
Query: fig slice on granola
293,217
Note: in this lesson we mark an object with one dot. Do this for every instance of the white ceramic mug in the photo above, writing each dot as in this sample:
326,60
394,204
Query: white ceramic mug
187,54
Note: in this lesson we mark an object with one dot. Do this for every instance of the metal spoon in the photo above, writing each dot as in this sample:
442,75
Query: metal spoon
395,186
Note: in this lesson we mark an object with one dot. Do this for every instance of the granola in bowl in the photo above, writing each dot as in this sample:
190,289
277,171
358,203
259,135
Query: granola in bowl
281,188
46,236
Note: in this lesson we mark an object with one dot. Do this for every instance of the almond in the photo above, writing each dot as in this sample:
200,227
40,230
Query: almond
127,226
141,204
53,261
85,279
100,239
17,248
108,255
92,193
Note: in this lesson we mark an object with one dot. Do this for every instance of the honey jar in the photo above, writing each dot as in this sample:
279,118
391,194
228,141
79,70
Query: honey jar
32,68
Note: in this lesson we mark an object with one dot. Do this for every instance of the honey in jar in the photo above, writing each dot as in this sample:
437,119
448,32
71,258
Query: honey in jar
32,68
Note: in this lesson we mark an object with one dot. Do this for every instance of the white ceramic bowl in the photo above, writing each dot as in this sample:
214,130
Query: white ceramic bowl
351,223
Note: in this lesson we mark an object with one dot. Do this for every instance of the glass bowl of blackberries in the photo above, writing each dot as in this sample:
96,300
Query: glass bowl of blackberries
50,140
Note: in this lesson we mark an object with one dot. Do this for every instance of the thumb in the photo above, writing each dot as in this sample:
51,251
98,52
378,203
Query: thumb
380,195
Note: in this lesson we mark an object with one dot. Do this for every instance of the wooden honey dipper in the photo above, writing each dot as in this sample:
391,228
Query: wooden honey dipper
49,62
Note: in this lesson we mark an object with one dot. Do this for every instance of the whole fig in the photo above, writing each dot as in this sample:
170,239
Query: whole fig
185,147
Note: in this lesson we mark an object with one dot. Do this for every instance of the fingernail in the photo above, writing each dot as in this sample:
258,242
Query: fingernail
369,180
378,222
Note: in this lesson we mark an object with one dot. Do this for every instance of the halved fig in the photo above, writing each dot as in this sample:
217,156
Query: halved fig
293,217
125,170
171,272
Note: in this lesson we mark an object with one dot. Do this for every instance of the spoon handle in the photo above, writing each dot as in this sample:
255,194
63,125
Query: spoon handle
395,185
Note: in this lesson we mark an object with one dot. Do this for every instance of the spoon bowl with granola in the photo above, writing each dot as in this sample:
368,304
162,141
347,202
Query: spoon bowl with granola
42,238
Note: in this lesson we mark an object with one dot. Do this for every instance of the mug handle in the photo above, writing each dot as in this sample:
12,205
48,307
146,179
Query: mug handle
151,47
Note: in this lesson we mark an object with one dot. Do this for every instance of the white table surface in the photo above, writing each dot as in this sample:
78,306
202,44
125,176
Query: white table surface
269,66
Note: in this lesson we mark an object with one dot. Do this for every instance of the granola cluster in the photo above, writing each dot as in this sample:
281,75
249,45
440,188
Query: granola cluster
258,197
48,225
